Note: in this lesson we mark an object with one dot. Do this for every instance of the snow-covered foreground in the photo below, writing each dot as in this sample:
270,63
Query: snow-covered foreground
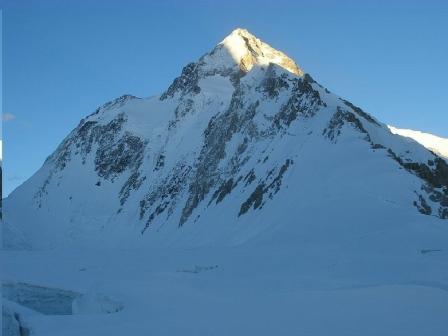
392,281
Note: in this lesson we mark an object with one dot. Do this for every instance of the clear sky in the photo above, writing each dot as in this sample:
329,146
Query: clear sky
62,59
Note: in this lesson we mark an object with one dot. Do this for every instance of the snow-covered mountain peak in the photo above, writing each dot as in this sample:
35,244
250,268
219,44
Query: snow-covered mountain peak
232,58
240,138
247,50
241,50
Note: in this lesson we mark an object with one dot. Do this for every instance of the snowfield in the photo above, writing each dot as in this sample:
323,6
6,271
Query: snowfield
310,288
246,199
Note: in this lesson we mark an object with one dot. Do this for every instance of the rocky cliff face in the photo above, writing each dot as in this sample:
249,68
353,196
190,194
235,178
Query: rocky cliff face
241,137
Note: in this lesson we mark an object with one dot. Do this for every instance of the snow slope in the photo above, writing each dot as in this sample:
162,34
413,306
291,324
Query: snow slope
432,142
245,199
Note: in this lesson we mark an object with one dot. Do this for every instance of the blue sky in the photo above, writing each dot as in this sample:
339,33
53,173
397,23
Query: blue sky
62,59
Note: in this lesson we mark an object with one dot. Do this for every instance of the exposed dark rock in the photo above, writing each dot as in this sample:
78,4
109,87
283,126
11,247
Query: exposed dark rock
184,108
273,83
115,103
219,131
126,153
422,206
435,176
338,120
255,200
160,162
360,112
437,196
275,185
225,189
164,195
304,101
377,146
115,152
186,83
249,178
134,182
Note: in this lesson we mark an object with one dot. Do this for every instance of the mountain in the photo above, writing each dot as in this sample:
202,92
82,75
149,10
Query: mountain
434,143
242,144
246,199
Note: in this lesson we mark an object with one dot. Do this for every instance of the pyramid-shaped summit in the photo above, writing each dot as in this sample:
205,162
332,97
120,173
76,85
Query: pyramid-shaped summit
233,57
241,145
246,50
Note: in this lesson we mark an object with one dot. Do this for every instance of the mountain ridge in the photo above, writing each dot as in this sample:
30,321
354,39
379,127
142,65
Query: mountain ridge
433,142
